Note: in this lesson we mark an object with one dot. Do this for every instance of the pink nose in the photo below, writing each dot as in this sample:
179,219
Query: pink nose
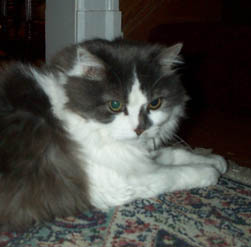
139,131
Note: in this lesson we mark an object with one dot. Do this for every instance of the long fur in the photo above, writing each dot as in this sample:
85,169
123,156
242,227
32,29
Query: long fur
40,173
64,148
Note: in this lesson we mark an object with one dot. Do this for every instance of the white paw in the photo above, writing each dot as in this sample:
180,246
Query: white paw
219,163
200,176
209,176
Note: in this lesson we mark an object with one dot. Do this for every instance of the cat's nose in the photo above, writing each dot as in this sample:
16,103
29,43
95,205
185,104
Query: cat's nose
139,131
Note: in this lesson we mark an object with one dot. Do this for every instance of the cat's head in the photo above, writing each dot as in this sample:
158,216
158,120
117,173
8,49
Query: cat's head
131,90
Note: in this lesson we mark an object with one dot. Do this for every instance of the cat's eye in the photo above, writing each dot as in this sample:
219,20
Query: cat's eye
155,104
115,105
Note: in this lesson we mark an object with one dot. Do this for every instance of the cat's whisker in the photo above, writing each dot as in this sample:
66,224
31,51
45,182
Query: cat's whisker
154,144
181,141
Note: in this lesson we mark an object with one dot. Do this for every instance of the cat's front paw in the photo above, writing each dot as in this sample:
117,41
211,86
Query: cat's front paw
209,177
200,176
219,163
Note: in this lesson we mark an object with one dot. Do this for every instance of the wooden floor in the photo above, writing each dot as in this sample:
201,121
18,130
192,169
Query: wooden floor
226,133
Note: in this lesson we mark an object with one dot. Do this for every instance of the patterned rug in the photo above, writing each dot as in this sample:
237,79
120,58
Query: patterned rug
218,216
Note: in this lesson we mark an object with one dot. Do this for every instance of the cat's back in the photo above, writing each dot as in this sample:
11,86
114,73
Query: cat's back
24,112
40,174
20,91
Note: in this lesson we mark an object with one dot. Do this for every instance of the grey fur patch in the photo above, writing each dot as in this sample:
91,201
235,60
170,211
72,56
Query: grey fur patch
40,175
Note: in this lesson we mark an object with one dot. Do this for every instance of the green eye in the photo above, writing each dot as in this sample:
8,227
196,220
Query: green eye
115,105
155,104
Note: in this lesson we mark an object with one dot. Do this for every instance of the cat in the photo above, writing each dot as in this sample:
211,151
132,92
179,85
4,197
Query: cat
90,130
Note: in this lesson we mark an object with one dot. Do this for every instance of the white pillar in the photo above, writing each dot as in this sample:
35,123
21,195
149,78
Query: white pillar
72,21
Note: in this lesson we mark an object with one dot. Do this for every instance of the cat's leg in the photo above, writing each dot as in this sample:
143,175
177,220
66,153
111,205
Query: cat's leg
109,188
174,178
181,156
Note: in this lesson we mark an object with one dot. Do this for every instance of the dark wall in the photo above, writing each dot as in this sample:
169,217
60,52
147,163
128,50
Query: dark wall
22,29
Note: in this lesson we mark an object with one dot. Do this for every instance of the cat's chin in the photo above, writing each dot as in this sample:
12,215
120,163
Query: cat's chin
126,138
133,137
120,134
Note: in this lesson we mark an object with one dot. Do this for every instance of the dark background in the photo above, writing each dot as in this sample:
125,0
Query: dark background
22,30
217,74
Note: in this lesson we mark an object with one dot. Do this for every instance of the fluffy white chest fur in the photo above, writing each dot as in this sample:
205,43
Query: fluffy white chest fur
122,166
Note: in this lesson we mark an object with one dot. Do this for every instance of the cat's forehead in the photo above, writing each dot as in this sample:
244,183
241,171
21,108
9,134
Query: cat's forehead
123,56
115,65
129,84
127,67
136,95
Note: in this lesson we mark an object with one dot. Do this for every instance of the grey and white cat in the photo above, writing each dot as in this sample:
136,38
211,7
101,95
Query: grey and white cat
88,130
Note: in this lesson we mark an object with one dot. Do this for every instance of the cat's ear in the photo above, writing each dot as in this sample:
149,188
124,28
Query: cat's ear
169,57
87,65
